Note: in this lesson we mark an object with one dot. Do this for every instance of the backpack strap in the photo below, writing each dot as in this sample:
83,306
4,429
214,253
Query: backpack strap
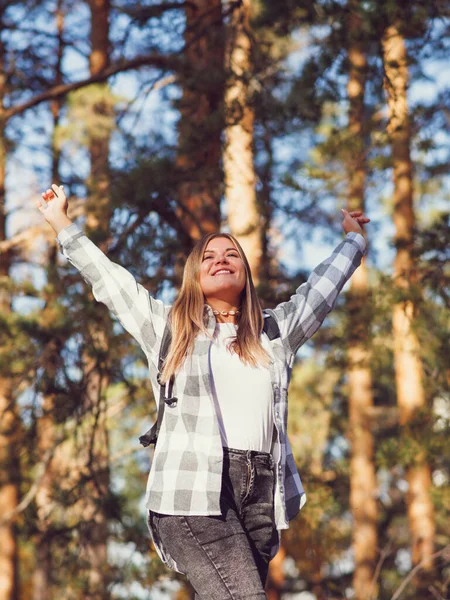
270,327
151,436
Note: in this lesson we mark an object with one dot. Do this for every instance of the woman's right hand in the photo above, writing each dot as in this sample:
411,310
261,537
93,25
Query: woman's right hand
54,207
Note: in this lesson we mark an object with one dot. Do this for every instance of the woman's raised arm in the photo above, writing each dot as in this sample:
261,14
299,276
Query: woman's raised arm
140,314
301,316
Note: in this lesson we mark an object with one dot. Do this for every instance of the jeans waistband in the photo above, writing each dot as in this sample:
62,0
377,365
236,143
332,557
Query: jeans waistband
264,457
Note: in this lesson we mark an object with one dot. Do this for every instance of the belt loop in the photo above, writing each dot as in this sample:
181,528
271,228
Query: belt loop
249,455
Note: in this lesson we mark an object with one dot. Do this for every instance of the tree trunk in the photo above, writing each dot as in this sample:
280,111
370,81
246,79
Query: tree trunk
275,581
46,434
363,483
408,367
98,215
98,209
266,204
239,171
9,489
201,119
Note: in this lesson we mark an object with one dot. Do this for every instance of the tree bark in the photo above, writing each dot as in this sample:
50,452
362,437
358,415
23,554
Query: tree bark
244,217
98,210
42,576
9,489
95,362
275,581
266,204
363,483
201,119
408,367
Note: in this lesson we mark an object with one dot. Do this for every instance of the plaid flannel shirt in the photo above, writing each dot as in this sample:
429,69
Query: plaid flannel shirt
186,468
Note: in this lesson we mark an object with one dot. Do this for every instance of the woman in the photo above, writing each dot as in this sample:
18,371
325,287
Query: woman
223,481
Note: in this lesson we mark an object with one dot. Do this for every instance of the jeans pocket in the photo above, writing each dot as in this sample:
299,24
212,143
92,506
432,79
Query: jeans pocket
154,520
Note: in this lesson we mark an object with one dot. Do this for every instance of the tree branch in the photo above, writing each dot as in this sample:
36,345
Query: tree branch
445,552
154,60
41,468
171,62
383,554
25,237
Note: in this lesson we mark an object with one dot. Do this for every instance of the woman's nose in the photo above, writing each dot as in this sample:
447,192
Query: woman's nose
221,259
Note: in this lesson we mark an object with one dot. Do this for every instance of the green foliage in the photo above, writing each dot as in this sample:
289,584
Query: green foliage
90,116
424,440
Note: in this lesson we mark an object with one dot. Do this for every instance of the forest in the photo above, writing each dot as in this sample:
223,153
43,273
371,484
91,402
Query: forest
165,120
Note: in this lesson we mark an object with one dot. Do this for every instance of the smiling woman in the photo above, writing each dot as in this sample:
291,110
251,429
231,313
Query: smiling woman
217,276
223,481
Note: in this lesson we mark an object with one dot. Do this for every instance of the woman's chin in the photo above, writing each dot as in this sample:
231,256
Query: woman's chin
224,288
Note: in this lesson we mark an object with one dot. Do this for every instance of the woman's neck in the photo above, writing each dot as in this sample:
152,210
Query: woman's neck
227,310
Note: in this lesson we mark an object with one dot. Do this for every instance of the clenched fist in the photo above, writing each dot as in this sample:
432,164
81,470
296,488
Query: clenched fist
53,206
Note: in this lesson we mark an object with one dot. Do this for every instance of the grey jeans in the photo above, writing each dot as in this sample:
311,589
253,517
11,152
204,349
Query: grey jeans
227,556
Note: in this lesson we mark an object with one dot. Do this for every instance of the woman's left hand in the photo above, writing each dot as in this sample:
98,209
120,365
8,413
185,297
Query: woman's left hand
353,221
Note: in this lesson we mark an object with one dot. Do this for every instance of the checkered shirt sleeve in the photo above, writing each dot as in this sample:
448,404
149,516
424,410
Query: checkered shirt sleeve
301,316
141,315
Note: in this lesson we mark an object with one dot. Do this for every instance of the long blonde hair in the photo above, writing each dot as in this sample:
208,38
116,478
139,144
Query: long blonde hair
188,317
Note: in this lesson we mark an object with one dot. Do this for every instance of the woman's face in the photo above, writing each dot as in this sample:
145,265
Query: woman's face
222,271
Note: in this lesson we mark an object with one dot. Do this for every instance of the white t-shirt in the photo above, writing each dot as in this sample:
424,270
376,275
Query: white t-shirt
242,396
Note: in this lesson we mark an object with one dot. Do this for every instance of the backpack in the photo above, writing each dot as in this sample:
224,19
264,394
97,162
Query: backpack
151,436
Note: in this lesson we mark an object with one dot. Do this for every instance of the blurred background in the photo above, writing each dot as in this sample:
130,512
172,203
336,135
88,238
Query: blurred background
165,120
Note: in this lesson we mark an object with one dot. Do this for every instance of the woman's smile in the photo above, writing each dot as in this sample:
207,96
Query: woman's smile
222,272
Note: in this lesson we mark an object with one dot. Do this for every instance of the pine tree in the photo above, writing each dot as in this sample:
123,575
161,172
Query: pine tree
243,213
201,119
97,331
363,483
408,367
46,430
9,488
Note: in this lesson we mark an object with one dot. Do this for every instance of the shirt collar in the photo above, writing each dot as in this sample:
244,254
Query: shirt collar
209,319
